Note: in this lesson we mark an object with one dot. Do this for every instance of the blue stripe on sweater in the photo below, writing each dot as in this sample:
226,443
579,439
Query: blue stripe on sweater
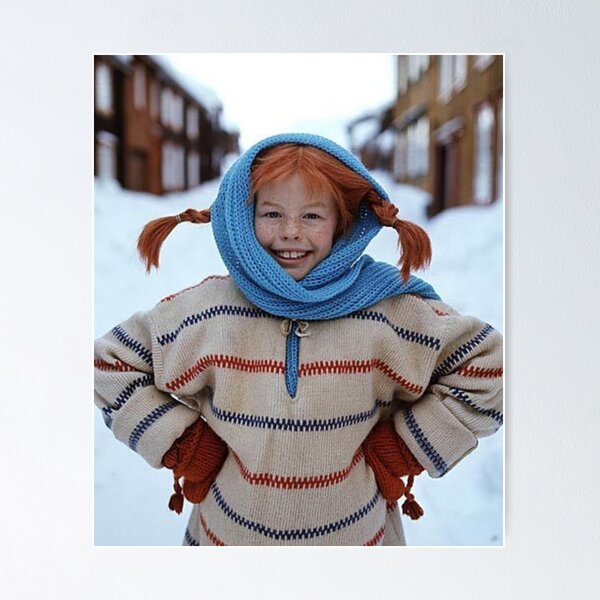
188,539
278,423
424,443
464,397
148,421
107,411
458,355
405,334
209,313
292,534
132,344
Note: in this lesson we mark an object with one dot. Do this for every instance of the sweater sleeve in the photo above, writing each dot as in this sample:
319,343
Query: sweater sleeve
463,400
127,369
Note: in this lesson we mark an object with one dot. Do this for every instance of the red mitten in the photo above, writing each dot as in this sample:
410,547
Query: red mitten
390,459
197,456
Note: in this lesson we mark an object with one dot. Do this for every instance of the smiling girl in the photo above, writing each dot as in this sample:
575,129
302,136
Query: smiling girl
294,395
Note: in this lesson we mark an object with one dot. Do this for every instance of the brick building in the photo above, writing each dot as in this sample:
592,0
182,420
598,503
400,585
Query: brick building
155,131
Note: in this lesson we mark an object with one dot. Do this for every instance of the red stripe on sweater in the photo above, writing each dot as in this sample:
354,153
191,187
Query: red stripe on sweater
191,287
223,361
118,365
391,506
295,482
357,366
209,534
480,372
376,538
435,310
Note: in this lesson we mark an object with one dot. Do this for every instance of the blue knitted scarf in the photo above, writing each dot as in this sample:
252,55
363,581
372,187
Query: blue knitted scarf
342,283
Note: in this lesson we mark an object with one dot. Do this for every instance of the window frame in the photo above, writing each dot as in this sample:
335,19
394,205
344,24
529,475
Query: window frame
104,89
489,196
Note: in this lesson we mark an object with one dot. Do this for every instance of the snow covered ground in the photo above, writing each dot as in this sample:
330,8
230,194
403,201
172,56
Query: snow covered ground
465,507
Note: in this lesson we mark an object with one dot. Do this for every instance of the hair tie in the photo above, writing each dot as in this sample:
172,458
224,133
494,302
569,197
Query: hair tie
385,210
191,215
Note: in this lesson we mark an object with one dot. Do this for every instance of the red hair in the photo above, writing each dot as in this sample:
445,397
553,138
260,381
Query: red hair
320,171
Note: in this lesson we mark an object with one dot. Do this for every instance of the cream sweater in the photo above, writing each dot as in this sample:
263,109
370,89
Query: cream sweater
295,473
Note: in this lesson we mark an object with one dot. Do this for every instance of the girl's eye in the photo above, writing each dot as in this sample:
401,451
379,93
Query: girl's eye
272,214
313,216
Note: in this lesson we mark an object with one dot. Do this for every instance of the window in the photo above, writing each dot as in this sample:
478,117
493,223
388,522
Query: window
460,71
483,168
483,61
401,156
104,89
179,167
176,112
173,166
452,75
193,168
414,67
445,78
139,87
417,64
423,140
106,155
192,122
417,163
165,106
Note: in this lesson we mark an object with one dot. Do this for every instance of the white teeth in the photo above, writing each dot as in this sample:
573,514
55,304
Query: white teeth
286,254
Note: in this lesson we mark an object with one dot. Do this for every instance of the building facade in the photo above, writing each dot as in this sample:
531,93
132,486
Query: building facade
445,132
154,133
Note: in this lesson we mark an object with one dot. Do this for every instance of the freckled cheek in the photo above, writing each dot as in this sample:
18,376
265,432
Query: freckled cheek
323,234
264,233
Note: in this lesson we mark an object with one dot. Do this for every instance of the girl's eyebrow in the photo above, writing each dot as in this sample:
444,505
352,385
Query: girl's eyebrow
271,202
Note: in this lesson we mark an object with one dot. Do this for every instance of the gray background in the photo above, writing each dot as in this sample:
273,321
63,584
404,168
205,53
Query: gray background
552,181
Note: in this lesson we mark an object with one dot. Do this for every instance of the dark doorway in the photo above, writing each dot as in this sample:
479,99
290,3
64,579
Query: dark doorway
446,184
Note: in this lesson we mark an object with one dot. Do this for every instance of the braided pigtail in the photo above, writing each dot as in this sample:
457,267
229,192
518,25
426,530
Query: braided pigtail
414,241
155,232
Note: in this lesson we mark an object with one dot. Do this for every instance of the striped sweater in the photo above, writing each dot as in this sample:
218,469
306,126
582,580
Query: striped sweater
295,473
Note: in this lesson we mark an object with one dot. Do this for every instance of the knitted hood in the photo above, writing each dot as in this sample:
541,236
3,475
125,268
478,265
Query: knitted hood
345,281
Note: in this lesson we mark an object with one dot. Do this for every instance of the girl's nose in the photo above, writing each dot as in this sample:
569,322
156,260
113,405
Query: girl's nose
290,228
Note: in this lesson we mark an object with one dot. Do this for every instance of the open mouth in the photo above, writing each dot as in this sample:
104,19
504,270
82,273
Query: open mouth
288,255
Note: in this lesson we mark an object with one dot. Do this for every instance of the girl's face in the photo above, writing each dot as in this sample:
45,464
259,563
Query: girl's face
297,230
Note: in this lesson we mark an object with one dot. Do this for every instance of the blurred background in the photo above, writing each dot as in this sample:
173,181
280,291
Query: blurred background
165,123
166,127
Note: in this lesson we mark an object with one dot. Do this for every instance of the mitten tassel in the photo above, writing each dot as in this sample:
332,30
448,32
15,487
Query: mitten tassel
411,507
176,500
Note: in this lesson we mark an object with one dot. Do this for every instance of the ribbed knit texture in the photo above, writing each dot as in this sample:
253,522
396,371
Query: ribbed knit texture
342,283
295,473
